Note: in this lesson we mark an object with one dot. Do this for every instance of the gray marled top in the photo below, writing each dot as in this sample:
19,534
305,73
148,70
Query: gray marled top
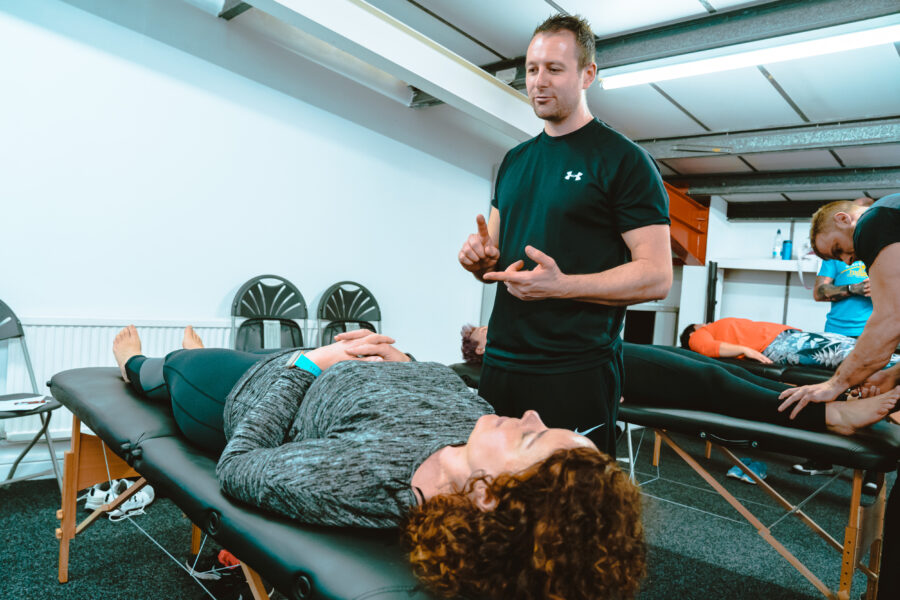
340,449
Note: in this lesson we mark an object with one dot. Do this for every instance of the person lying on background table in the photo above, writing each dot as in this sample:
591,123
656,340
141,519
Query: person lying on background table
768,343
695,382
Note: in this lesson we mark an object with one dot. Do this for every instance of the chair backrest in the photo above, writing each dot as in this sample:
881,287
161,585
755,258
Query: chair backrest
343,305
11,327
271,305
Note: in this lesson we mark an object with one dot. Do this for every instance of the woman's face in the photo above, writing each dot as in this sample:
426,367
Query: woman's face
509,445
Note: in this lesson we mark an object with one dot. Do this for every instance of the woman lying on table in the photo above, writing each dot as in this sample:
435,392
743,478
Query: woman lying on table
667,377
354,434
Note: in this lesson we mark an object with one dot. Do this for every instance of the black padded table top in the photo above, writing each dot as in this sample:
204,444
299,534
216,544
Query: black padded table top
876,448
106,404
793,374
302,561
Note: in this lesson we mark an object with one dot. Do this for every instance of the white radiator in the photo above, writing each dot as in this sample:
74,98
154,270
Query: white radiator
60,344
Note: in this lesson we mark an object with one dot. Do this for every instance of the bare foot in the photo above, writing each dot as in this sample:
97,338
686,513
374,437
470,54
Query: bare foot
126,345
846,418
191,340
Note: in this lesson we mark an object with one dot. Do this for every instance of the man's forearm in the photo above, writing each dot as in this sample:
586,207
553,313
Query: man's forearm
631,283
873,350
828,292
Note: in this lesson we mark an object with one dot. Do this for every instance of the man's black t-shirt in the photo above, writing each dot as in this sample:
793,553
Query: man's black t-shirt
571,197
877,228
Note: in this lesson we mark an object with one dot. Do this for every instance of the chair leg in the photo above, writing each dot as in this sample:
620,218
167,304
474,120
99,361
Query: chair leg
34,440
49,441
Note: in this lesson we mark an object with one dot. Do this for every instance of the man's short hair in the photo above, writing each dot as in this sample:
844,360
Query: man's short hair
579,27
823,220
686,336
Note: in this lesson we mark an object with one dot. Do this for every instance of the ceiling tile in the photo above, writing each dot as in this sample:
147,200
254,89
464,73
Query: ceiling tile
732,4
846,85
611,17
708,164
881,155
732,100
826,195
640,112
504,25
443,34
789,161
753,198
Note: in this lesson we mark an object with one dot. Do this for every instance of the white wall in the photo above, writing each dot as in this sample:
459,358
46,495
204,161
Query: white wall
139,181
760,295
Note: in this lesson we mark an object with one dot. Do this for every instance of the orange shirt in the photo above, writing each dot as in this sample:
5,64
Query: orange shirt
743,332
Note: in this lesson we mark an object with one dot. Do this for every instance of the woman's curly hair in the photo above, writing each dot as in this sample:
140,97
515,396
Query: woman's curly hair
469,346
567,528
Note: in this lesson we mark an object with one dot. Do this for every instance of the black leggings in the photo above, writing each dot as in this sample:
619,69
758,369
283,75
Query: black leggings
677,378
196,382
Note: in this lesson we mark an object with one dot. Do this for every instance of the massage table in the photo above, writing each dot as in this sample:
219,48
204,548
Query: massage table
876,449
139,438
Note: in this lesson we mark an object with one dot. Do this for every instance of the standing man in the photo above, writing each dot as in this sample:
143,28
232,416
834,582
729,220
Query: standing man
578,229
846,231
846,287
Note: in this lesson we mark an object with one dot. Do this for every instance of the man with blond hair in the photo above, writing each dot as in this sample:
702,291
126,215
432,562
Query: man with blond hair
847,231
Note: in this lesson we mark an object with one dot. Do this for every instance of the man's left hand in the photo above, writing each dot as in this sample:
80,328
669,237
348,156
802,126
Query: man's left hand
820,392
544,281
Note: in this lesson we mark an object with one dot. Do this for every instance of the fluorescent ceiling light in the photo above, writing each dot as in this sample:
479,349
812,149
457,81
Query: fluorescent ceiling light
826,41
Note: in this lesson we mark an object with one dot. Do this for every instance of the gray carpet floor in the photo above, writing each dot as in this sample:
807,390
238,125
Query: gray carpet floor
699,547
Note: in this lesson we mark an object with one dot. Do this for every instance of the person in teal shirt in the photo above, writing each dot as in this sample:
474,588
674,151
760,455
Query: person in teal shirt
847,288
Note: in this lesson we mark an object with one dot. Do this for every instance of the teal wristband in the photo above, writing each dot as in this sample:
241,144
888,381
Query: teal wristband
307,365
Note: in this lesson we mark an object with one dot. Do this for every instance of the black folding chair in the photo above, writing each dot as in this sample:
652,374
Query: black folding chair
270,306
345,306
30,404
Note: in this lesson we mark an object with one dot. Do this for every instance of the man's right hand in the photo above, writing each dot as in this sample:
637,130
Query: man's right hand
480,253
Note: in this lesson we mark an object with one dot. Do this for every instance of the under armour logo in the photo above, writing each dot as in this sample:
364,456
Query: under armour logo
575,176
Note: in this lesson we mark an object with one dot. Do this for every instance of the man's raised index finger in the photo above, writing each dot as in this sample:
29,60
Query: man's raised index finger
482,227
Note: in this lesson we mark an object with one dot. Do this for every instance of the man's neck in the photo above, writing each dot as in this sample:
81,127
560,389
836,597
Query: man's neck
575,121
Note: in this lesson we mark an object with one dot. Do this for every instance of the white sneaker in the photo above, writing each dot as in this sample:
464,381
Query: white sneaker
135,505
104,493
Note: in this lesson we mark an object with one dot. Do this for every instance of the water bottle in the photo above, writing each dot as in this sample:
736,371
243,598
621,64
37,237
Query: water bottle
776,247
787,248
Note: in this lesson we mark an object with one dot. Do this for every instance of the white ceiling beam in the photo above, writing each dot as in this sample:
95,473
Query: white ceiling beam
371,35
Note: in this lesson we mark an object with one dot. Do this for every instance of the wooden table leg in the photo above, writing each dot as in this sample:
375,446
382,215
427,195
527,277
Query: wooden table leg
66,514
